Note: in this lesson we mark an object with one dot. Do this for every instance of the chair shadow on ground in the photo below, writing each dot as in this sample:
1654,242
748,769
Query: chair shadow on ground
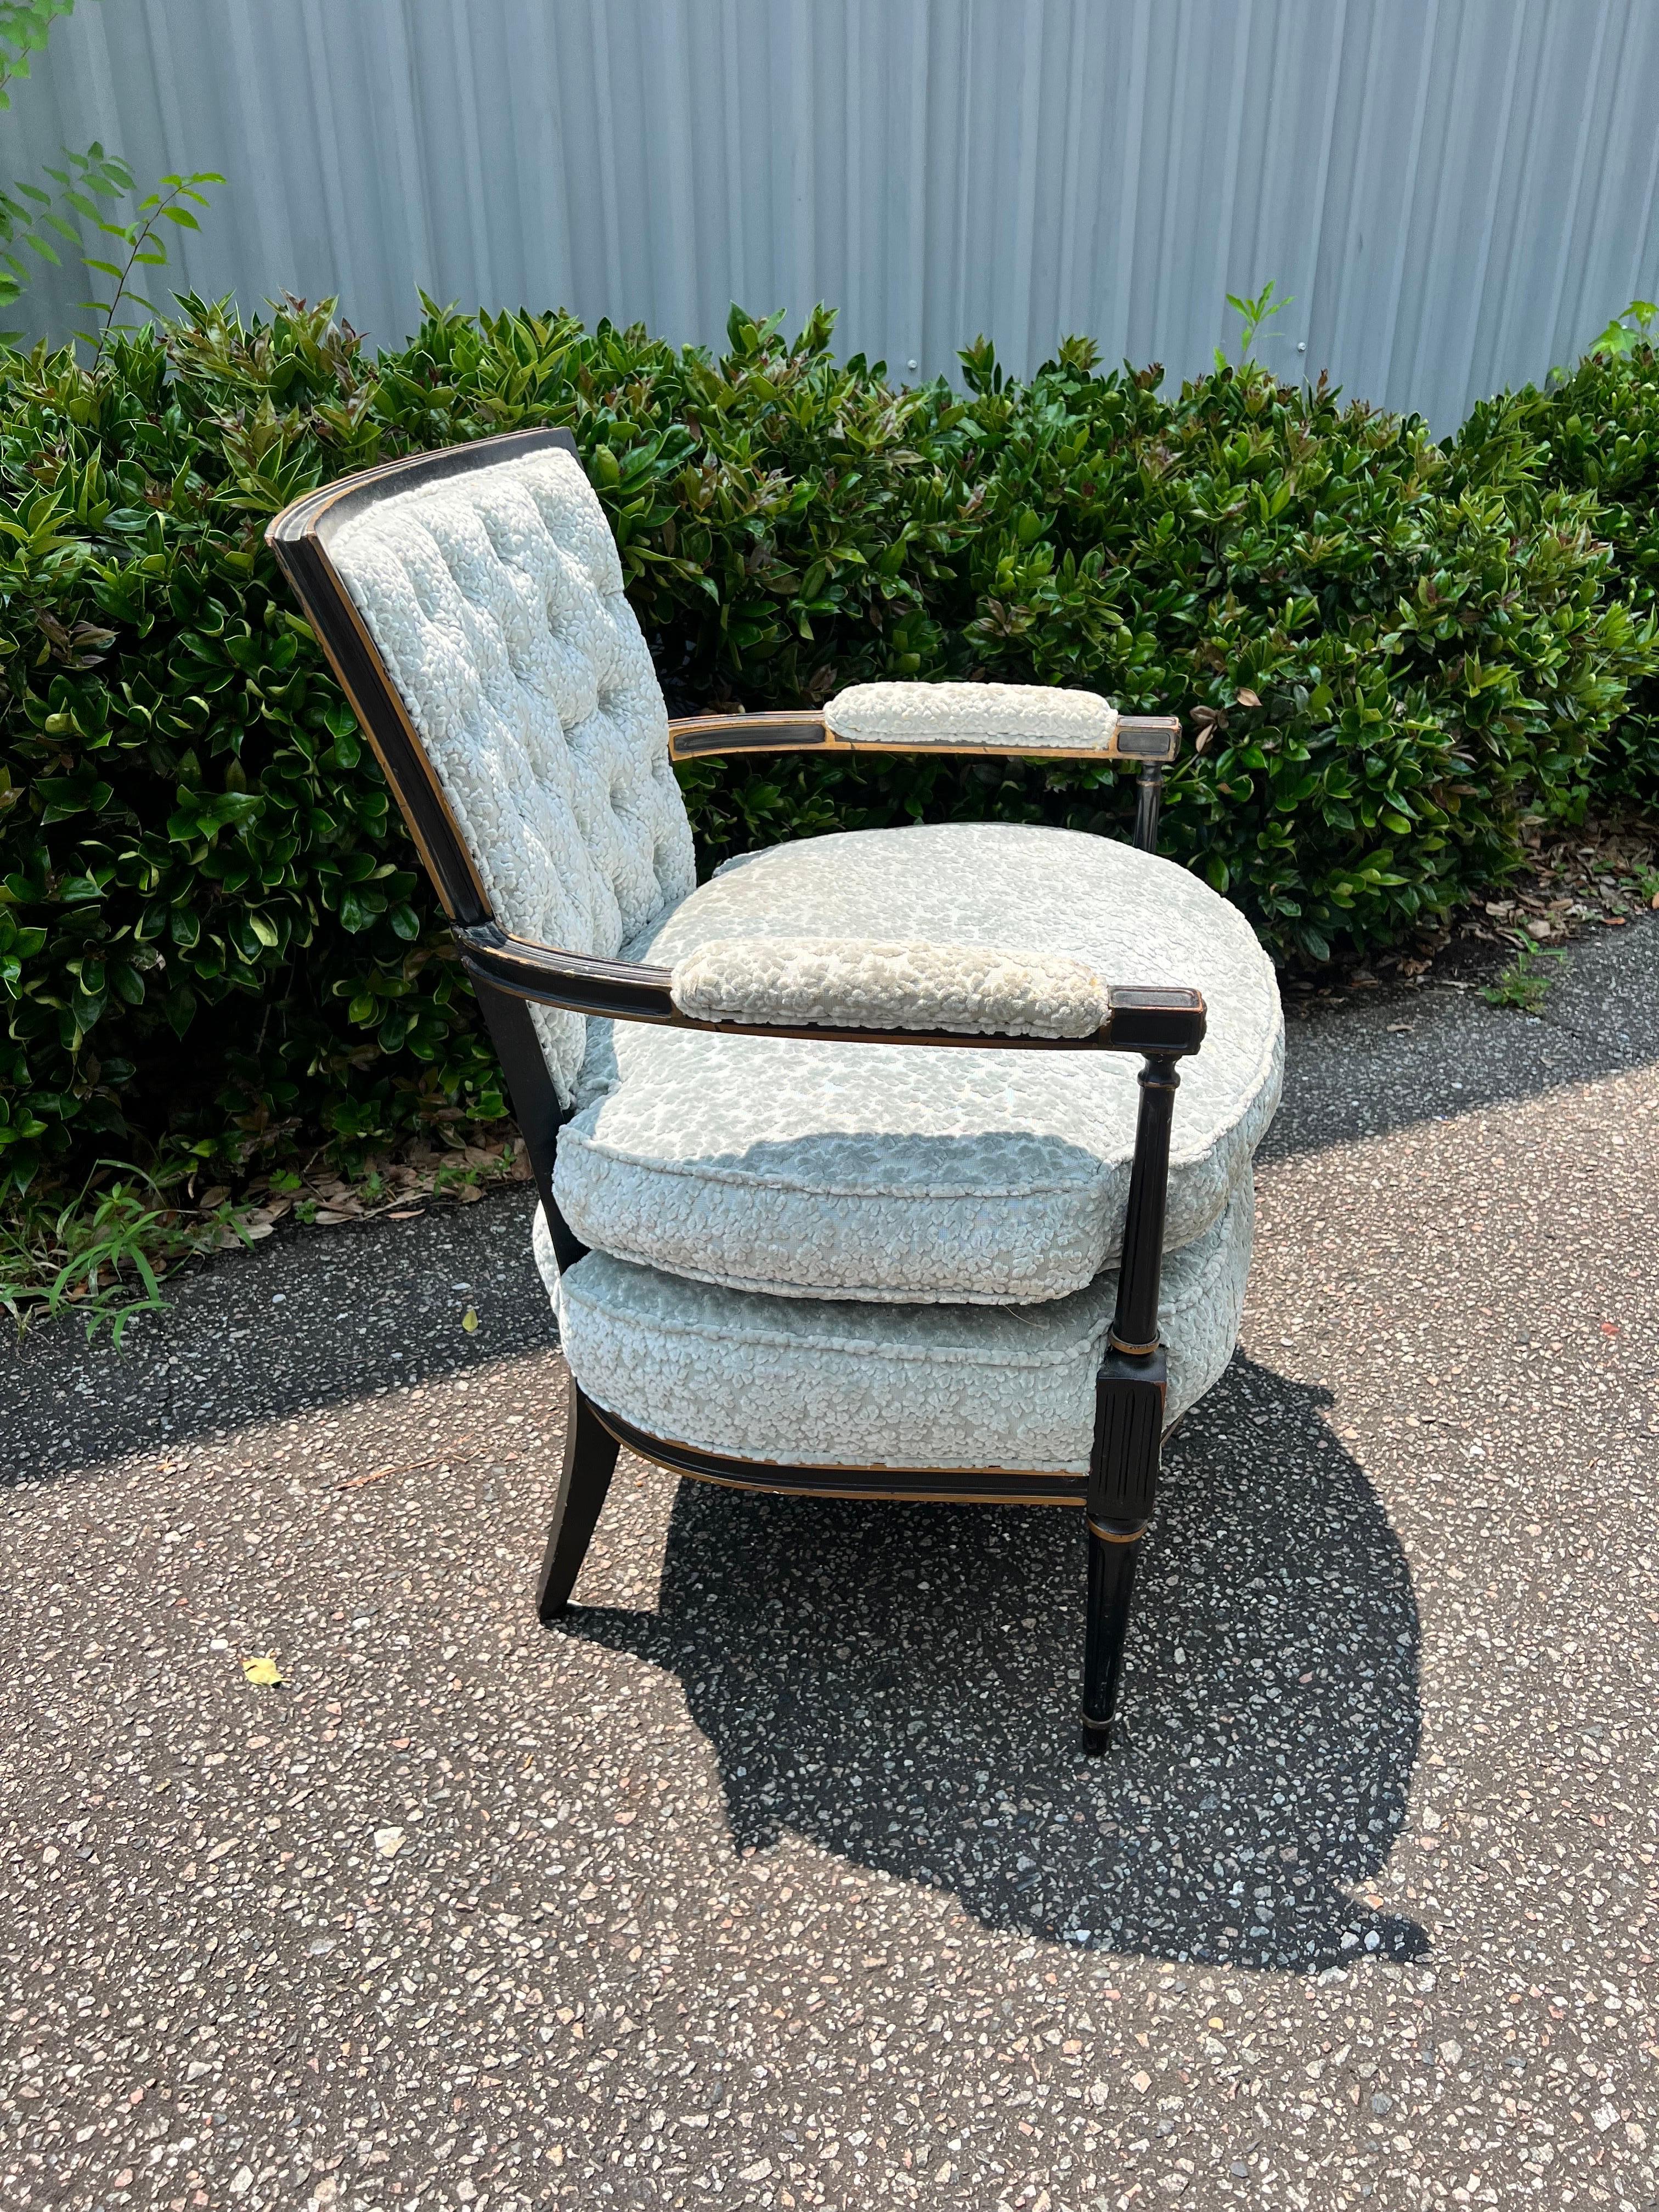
899,1684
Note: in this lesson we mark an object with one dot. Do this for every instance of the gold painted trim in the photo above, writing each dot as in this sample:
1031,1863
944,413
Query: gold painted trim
865,1496
1007,749
832,742
1131,1351
764,1481
1117,1535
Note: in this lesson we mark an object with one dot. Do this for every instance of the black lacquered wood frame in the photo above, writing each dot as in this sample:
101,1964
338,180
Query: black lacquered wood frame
510,974
1150,742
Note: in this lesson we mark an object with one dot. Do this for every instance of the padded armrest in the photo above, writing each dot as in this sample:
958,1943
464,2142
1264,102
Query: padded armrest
1147,1018
1004,717
845,982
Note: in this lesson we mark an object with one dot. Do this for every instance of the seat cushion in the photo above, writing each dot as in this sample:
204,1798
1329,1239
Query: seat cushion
915,1172
823,1383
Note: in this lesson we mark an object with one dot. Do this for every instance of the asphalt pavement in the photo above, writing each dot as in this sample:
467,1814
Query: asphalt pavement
773,1877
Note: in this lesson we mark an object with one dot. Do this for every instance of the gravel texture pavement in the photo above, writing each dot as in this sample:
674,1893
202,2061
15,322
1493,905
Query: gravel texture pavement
774,1878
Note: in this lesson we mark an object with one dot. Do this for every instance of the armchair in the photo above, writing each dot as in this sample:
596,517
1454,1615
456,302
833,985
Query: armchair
847,1184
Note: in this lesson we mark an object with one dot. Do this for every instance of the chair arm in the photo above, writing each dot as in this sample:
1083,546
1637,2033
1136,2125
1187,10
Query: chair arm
1027,721
860,983
1145,1018
697,737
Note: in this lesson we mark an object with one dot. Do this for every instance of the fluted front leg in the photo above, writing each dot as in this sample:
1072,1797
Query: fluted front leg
1129,1398
1122,1489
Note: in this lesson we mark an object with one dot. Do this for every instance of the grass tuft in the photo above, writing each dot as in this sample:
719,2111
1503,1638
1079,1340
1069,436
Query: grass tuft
103,1252
1527,981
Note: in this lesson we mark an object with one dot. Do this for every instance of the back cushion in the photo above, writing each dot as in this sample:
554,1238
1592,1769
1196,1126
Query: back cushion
495,598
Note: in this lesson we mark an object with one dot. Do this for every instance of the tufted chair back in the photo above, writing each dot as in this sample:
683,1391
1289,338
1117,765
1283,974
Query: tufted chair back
494,595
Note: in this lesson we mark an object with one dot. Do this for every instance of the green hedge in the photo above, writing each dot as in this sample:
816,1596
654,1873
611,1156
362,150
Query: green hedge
1595,431
213,931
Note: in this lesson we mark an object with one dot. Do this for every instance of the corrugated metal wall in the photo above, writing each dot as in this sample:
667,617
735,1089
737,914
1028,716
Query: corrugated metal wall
1458,193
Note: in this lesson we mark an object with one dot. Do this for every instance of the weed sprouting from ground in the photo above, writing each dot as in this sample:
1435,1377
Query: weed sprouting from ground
103,1252
1526,982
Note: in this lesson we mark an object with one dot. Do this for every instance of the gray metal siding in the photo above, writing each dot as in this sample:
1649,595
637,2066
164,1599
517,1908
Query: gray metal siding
1458,193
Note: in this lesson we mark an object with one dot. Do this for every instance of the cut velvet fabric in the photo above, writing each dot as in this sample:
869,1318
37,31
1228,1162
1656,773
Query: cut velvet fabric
906,1172
826,1383
843,982
1034,717
495,598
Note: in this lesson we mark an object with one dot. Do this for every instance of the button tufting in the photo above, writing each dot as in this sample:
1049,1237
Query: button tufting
496,598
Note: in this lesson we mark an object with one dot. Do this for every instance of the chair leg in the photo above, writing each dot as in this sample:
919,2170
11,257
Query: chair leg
590,1458
1113,1555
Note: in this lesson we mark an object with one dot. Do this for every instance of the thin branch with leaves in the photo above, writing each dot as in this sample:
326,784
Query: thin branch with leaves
30,217
146,245
25,27
33,219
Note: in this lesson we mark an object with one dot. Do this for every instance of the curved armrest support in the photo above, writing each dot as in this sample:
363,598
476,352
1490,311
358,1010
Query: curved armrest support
1145,1018
1010,721
1129,741
699,736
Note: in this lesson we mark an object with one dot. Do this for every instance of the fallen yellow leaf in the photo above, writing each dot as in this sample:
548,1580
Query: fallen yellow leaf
469,1320
264,1671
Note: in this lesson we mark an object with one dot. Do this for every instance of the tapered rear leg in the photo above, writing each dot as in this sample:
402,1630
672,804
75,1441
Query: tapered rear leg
590,1459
